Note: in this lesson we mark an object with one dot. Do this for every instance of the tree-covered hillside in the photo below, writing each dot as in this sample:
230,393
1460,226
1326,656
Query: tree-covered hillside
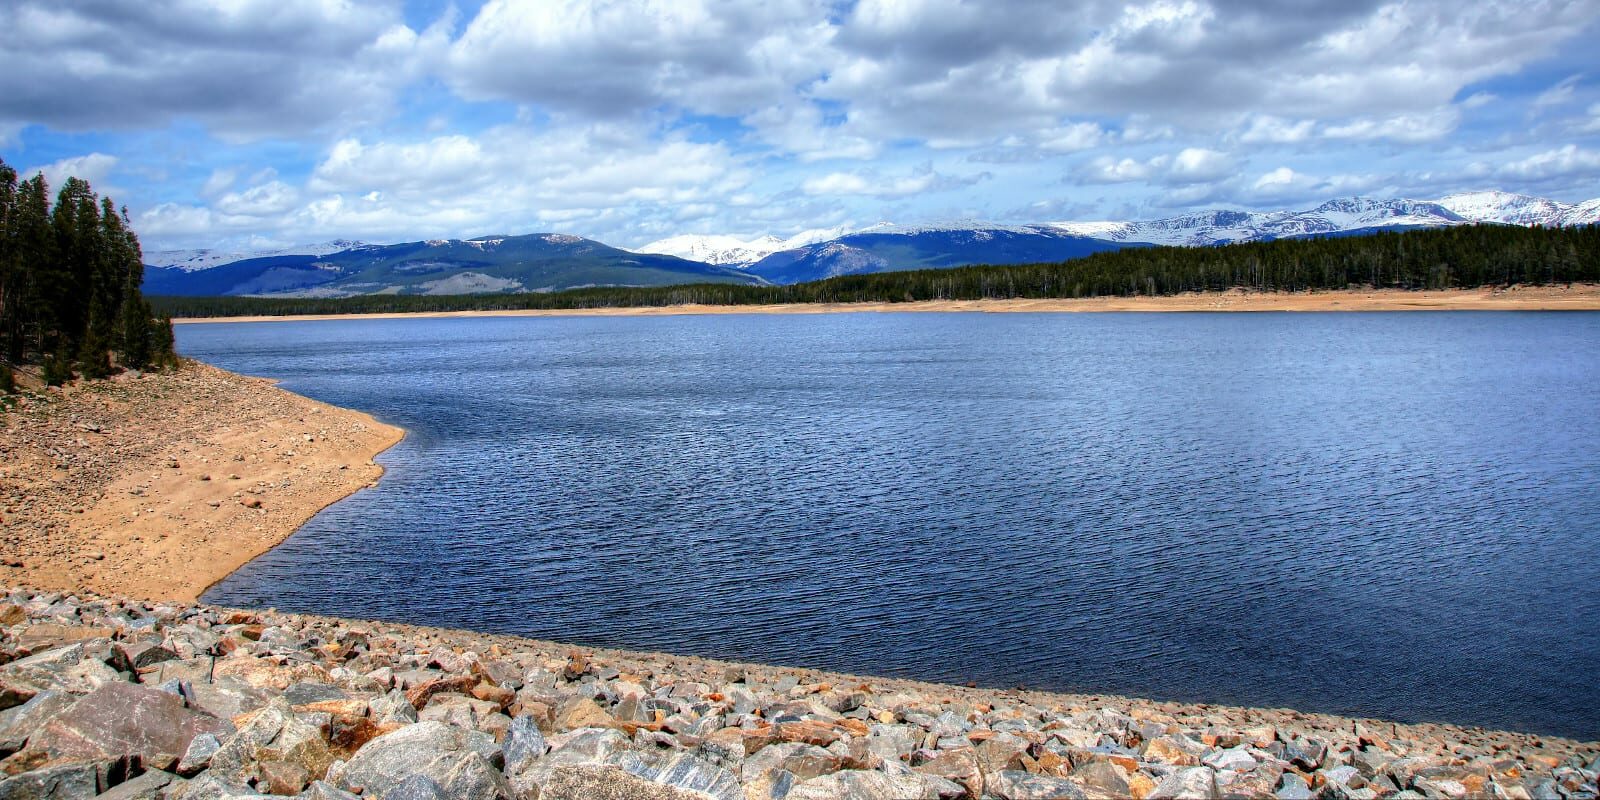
1459,257
69,284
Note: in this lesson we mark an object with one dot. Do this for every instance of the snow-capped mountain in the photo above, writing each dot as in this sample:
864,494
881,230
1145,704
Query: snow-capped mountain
1585,213
1205,228
1507,208
192,260
733,251
552,261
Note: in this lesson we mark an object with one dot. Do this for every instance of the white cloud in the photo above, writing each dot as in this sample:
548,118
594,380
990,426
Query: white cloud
510,179
1268,129
1191,165
248,68
1424,127
1557,95
93,167
921,181
1566,162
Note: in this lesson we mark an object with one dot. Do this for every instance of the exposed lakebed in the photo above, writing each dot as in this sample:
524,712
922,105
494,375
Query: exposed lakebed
1387,515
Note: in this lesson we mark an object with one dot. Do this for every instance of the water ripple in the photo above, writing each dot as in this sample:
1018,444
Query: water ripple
1387,515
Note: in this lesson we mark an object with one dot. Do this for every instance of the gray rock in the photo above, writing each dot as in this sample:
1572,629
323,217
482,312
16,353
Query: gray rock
18,723
894,742
63,782
864,785
153,785
1019,785
227,697
687,772
1103,775
1293,787
589,782
474,778
120,719
1194,783
393,707
524,745
804,761
143,653
198,757
322,790
426,748
211,787
1305,752
416,787
64,669
1237,758
302,694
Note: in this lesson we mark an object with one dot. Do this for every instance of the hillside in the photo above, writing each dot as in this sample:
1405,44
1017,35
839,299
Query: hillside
540,262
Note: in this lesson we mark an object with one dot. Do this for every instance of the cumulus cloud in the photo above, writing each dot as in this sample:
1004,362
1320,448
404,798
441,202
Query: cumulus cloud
1425,127
923,180
93,167
1566,162
1189,166
246,67
509,179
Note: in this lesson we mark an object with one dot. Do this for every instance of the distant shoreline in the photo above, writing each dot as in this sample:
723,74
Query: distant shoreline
1578,297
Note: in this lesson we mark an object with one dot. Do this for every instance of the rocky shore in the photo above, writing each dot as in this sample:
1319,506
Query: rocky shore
159,485
104,697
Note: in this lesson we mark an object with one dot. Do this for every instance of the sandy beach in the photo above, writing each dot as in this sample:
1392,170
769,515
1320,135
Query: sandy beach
1578,297
158,486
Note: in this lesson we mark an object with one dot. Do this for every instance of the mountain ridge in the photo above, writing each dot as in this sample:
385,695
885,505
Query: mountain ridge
556,261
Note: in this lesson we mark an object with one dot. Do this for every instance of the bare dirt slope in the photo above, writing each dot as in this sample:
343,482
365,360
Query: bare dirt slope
157,486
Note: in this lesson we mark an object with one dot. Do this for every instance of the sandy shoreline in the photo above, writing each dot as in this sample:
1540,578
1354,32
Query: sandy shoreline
1578,297
159,486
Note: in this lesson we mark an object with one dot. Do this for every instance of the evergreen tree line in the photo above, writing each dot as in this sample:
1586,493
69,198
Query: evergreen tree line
69,284
1467,256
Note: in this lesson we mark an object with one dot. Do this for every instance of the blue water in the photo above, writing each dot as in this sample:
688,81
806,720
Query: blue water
1389,515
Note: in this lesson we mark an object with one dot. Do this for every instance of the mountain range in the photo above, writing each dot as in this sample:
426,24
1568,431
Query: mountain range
552,261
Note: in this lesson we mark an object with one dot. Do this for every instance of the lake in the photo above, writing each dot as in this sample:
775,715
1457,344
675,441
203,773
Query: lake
1390,515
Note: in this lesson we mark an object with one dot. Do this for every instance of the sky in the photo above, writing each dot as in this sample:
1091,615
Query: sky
263,123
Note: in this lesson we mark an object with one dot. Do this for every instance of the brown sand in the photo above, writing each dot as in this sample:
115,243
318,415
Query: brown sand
1578,297
158,486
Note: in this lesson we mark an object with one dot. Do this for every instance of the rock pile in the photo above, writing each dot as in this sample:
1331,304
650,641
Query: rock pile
102,697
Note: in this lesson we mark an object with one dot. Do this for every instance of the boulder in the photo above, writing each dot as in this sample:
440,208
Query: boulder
430,749
524,745
75,781
605,783
198,756
143,653
416,787
1194,783
472,777
17,724
152,785
1019,785
1293,787
684,771
582,712
1104,778
322,790
212,787
120,719
65,669
867,785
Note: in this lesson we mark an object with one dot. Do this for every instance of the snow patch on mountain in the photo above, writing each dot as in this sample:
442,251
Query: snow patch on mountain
1507,208
733,251
193,260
